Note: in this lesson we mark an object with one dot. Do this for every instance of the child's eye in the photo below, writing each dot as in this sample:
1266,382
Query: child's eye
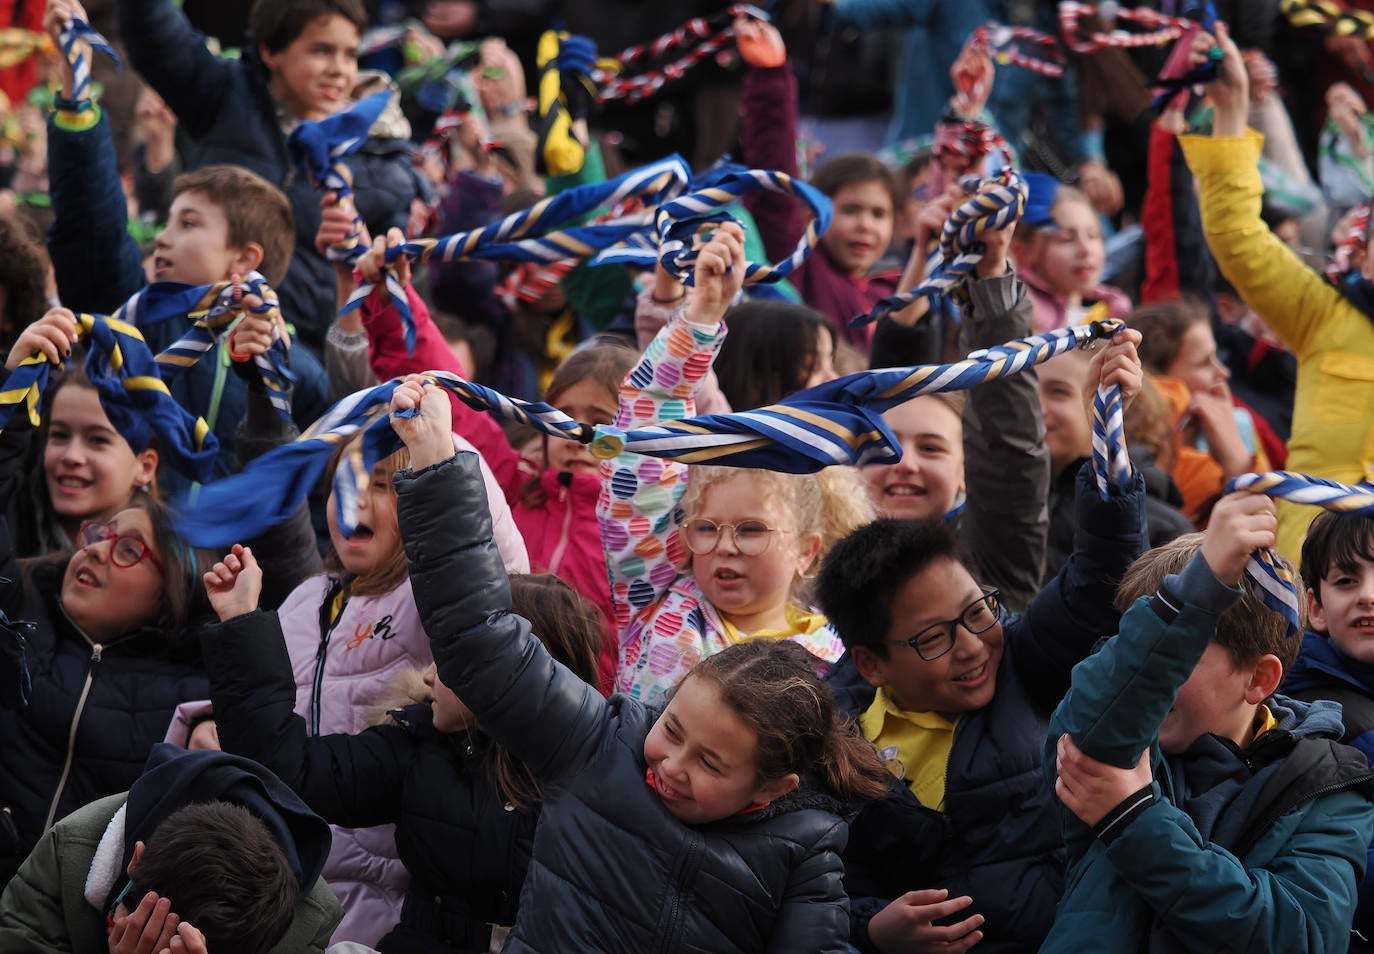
709,766
932,449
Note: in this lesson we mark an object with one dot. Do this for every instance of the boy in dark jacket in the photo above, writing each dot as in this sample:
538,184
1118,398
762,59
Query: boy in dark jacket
957,697
205,847
225,221
1336,661
300,64
1202,812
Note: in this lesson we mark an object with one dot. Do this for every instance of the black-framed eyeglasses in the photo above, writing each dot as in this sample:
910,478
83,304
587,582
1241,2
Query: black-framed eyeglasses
938,638
751,537
128,550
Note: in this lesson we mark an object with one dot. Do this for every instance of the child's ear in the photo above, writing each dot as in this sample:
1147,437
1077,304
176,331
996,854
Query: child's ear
1264,679
1316,616
810,547
133,862
870,666
770,791
146,468
248,258
269,59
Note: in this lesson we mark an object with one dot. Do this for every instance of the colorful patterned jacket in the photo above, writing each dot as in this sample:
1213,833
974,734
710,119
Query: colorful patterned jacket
665,623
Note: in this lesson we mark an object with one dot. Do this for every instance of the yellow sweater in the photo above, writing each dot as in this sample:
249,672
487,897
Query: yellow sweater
1333,412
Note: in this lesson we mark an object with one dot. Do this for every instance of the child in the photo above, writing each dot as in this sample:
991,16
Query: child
90,685
957,695
555,511
730,571
1327,329
205,852
301,63
464,808
1068,435
88,469
835,280
1201,811
774,349
1334,662
225,221
1061,257
988,440
687,830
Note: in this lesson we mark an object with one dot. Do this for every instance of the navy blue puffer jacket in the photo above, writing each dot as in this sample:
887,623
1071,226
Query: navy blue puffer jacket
612,870
93,711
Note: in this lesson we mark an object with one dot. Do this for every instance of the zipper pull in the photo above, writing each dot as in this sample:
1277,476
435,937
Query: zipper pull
95,652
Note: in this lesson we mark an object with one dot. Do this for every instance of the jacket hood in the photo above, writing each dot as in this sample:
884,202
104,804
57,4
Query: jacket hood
1320,662
1319,719
175,778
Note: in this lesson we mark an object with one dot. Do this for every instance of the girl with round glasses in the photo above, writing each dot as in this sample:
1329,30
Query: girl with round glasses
735,568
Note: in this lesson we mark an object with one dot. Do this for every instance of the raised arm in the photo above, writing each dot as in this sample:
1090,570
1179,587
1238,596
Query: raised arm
768,134
639,495
172,57
1292,299
1006,464
350,780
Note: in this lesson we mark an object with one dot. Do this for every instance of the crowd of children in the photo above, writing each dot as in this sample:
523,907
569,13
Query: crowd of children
366,593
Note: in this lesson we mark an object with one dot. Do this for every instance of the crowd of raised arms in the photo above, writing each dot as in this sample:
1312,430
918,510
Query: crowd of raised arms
559,476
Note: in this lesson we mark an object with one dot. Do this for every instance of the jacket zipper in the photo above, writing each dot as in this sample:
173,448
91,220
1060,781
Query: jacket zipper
686,876
327,626
71,733
566,533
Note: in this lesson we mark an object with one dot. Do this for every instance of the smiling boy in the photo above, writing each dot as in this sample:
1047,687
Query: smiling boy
1336,661
1202,812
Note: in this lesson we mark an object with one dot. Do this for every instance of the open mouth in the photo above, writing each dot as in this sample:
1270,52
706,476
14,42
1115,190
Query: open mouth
86,578
664,790
973,677
727,576
161,265
361,534
904,490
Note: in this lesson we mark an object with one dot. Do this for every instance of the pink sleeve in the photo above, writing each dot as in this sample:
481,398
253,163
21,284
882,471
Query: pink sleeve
388,357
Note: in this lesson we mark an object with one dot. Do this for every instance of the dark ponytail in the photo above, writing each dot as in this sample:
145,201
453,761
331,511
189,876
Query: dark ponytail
772,686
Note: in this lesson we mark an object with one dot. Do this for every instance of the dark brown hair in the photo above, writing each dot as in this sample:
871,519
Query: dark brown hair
275,24
770,351
224,872
255,210
1248,630
570,629
24,276
1335,540
1162,326
834,174
772,686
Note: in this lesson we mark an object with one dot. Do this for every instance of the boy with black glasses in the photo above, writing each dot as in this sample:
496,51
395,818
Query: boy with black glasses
957,695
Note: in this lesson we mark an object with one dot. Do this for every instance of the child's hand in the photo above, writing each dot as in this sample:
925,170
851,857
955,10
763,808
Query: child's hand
253,334
1230,91
1089,788
501,80
760,44
234,584
336,223
429,434
158,124
53,335
58,13
1118,364
906,925
186,941
374,260
148,929
1214,414
1102,187
719,275
1346,108
204,736
1262,74
1241,523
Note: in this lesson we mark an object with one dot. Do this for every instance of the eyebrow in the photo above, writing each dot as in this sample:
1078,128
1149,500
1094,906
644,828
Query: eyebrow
712,754
970,597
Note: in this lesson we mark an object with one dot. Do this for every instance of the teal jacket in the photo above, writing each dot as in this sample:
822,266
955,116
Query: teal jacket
1168,879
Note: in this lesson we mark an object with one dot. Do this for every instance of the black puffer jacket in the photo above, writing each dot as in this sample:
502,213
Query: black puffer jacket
93,711
998,840
613,870
227,109
465,849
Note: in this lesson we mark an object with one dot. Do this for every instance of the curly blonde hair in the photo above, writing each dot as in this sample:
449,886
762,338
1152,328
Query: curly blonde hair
831,502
